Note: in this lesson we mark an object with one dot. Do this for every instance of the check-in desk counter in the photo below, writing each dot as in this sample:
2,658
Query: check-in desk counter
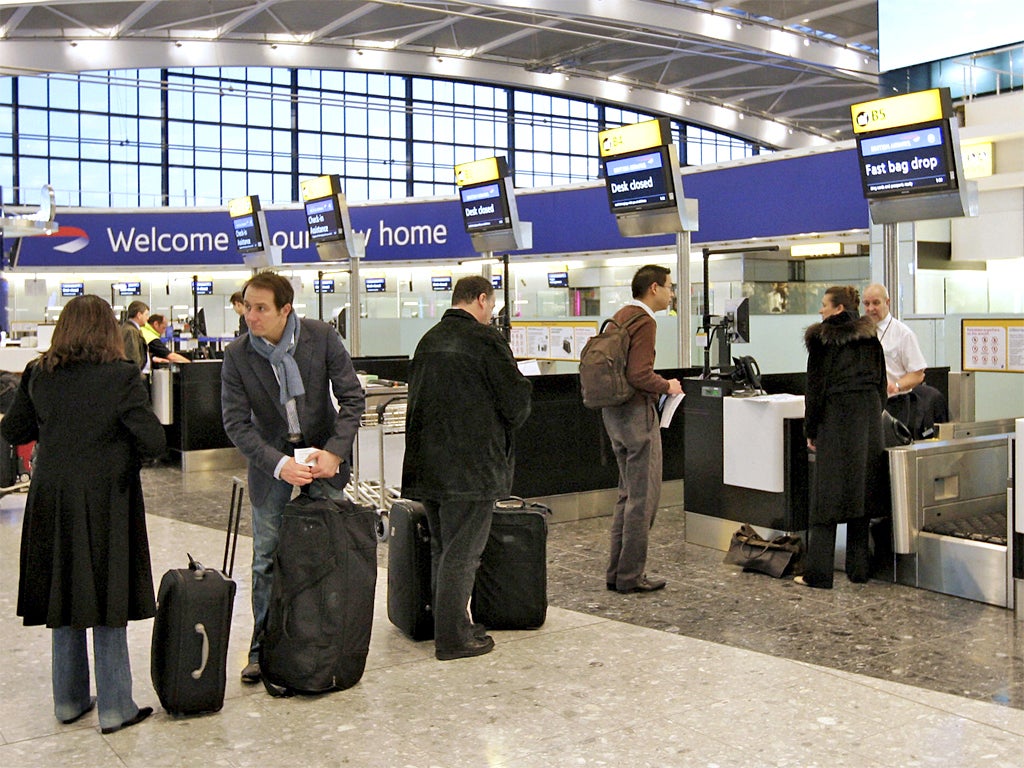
745,462
196,429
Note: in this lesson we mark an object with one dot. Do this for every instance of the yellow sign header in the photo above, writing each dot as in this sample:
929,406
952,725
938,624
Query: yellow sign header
897,111
243,206
633,138
479,171
314,189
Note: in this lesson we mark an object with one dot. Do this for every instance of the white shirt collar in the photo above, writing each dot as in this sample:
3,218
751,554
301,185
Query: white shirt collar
638,303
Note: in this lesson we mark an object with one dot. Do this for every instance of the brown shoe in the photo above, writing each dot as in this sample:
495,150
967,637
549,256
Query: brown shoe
251,673
645,585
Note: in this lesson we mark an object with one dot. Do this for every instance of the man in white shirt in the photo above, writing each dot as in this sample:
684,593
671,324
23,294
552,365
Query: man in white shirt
904,363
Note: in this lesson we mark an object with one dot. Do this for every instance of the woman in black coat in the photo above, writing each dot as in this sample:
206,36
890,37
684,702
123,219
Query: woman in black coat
846,391
84,549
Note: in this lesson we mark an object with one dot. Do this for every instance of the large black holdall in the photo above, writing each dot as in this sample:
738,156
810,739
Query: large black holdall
409,594
511,590
192,628
321,602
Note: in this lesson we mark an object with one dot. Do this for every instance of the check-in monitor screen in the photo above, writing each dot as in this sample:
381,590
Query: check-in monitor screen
323,286
248,235
918,159
639,181
323,220
484,207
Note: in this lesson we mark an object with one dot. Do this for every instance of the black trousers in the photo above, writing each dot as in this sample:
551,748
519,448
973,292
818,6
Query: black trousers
821,552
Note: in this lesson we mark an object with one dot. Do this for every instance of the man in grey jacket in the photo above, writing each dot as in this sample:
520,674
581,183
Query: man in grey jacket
276,388
466,398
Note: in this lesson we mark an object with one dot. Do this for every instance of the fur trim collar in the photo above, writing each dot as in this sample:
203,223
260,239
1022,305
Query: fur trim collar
840,329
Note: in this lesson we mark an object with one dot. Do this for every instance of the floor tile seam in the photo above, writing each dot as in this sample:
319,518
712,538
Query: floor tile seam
861,680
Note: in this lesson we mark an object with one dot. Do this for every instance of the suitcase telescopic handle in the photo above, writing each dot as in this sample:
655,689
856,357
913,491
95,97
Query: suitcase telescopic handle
201,631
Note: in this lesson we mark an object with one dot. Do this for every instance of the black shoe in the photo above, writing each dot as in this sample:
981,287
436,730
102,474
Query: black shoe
83,713
141,715
251,673
478,647
611,586
645,585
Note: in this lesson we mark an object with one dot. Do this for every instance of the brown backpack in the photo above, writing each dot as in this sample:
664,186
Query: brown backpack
603,365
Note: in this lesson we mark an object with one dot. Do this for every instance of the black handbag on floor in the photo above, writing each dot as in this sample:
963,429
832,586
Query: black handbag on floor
776,557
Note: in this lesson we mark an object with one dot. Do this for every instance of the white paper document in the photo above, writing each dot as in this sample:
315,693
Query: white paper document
668,405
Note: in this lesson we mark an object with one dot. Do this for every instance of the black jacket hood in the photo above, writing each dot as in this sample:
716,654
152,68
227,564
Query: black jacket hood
841,328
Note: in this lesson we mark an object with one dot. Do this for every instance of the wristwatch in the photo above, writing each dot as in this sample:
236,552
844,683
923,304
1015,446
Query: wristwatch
897,386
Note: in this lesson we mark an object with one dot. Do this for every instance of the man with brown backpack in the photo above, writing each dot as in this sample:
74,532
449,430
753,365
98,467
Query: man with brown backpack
635,432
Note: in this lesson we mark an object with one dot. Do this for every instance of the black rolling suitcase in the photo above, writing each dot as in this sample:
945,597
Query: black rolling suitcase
192,627
409,594
321,602
511,590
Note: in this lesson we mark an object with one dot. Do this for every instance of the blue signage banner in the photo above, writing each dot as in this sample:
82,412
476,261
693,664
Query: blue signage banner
818,193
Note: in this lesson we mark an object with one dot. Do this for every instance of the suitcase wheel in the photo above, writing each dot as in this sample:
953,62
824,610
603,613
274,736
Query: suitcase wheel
381,526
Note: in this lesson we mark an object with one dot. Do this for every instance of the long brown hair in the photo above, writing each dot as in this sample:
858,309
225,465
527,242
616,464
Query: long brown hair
86,332
847,296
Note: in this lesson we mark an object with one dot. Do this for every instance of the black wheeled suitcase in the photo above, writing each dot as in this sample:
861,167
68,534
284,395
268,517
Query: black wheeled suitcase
409,594
511,590
321,601
192,627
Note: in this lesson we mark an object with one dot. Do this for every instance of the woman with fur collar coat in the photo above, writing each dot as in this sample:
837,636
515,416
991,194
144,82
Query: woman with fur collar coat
846,391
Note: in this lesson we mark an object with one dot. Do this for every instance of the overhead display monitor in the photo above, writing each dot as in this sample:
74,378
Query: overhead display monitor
323,209
375,284
323,286
245,223
905,161
485,207
496,282
133,288
202,287
441,283
72,289
558,279
639,181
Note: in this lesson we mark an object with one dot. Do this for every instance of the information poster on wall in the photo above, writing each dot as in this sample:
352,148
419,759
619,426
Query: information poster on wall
551,340
991,344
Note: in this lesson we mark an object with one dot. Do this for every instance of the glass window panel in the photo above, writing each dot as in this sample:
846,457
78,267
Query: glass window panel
261,184
379,85
309,113
208,188
308,78
443,92
332,80
282,187
233,108
32,92
64,92
309,145
207,106
94,95
149,141
422,90
207,136
148,101
95,137
6,90
233,73
282,110
356,121
149,186
99,182
333,118
181,186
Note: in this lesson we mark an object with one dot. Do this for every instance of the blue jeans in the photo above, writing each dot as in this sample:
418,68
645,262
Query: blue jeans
458,535
266,532
113,674
635,433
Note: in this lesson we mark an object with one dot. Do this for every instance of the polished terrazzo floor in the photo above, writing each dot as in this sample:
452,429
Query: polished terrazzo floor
722,668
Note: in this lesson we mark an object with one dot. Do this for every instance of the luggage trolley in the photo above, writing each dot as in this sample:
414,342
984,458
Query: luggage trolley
377,458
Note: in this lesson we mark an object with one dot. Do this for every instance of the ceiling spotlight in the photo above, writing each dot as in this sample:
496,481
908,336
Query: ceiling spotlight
807,42
273,46
177,43
440,58
360,52
688,102
73,43
741,115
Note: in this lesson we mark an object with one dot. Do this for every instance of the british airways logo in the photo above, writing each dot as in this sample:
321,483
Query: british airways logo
79,241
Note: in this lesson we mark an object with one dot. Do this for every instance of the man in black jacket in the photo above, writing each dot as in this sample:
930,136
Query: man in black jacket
466,398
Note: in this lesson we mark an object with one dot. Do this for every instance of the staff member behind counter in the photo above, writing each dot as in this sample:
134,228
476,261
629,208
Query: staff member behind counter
153,335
